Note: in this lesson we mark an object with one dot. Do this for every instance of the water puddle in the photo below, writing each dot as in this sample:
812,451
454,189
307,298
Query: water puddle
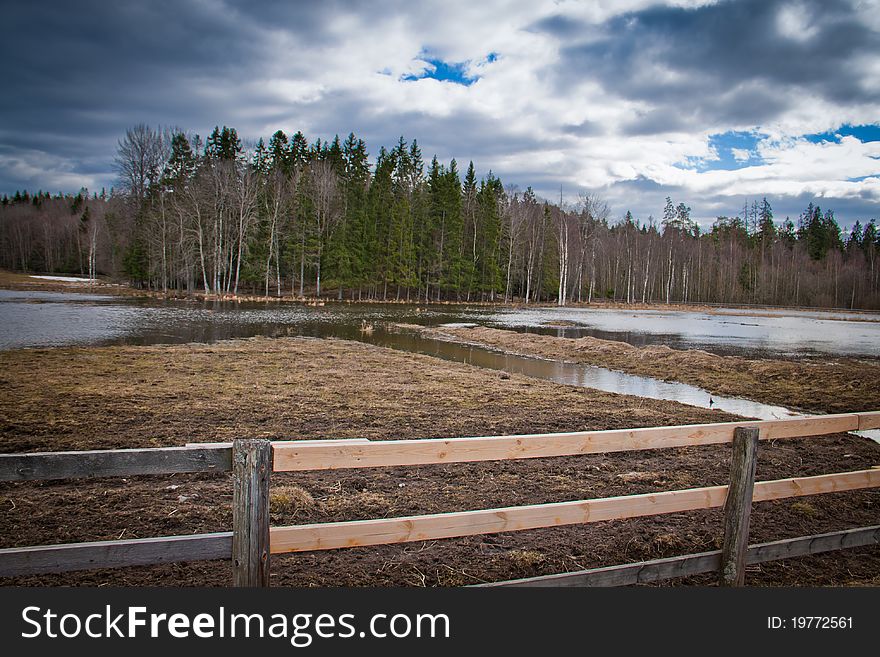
586,376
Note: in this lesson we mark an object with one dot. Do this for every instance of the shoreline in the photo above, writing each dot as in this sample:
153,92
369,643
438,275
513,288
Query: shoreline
21,281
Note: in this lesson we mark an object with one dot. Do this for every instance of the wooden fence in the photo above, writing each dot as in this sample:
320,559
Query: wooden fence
252,541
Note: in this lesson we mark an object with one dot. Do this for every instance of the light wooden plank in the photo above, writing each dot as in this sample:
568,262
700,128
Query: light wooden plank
114,554
695,564
113,463
383,531
870,420
329,536
831,483
295,456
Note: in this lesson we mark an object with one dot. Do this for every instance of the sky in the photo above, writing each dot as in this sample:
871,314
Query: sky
712,103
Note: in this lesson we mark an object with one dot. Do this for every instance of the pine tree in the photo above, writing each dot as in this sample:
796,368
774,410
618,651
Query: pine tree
334,155
279,155
346,252
181,164
471,230
489,237
855,237
381,200
260,161
223,144
870,236
299,151
766,227
668,211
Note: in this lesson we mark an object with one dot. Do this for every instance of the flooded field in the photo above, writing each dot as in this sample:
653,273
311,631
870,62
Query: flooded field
722,330
39,319
33,319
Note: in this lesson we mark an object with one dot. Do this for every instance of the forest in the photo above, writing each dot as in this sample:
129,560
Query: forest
290,217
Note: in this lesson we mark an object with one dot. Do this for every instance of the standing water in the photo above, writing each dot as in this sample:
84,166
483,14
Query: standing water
35,319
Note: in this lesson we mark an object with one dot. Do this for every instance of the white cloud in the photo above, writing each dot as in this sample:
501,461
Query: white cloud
795,22
517,119
40,170
515,94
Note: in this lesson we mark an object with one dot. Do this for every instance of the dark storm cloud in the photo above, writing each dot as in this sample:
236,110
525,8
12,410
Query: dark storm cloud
462,134
76,75
696,109
729,61
662,119
558,26
585,128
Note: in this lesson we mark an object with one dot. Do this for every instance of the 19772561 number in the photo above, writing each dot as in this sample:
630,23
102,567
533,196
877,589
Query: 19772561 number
810,623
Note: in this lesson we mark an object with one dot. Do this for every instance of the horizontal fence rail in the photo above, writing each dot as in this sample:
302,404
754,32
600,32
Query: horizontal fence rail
114,463
301,455
334,535
658,570
255,539
318,455
68,557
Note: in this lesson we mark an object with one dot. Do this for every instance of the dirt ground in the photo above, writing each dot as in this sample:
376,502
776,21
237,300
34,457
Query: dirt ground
822,385
291,388
10,280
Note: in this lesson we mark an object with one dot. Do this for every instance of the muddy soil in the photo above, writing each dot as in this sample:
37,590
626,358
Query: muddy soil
292,388
817,384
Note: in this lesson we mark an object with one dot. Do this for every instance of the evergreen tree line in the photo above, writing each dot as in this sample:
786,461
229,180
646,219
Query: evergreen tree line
293,217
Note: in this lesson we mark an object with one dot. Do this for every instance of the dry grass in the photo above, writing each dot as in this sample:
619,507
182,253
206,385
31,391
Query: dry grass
18,281
639,476
368,504
291,501
666,543
525,559
805,509
285,388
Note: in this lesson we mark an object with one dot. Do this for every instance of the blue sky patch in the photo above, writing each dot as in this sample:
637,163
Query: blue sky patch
738,149
454,72
735,150
861,132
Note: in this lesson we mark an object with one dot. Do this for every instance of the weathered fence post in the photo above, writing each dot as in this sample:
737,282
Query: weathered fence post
251,466
738,507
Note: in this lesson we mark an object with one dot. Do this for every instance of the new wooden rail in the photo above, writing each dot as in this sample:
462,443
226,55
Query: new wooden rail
295,456
333,535
252,540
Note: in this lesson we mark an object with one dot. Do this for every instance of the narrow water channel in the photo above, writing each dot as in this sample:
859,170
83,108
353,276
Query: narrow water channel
587,376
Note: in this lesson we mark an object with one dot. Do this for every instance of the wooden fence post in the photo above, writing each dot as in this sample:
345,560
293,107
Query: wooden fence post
738,506
251,466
